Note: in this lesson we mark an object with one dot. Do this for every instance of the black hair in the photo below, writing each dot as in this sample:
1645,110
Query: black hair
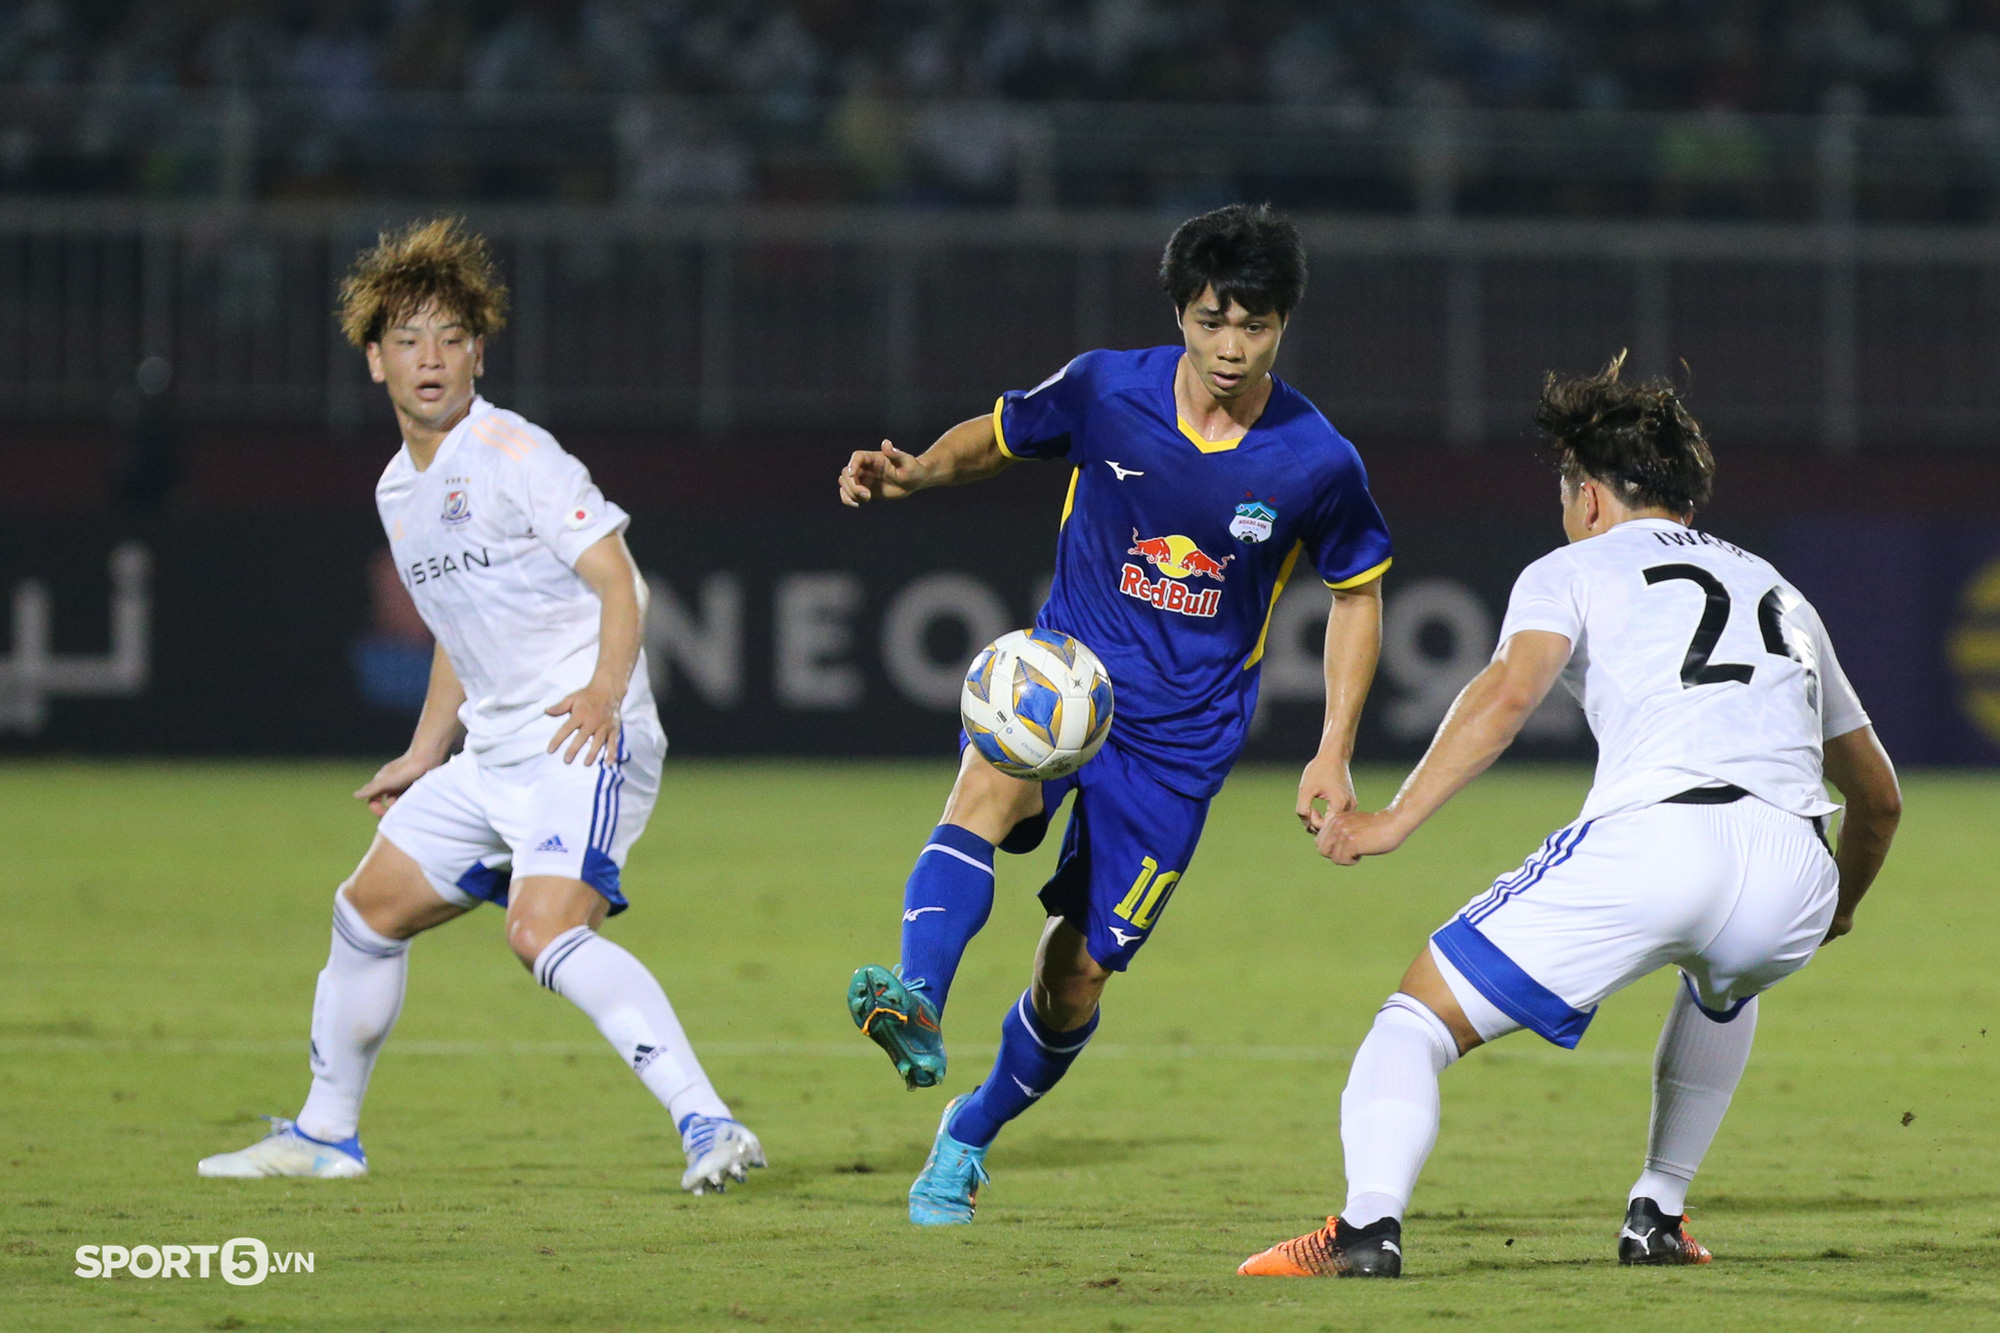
1637,439
1247,253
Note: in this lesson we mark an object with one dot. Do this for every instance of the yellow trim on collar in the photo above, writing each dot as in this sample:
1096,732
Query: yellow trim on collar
1363,577
1284,575
1207,446
999,435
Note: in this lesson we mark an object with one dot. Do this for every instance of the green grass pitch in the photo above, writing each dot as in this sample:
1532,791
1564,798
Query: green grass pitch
163,925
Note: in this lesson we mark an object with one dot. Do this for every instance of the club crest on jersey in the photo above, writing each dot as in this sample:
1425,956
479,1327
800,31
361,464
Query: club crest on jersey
457,507
1253,520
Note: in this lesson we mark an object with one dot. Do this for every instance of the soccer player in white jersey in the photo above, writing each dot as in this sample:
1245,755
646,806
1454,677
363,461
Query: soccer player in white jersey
519,567
1718,707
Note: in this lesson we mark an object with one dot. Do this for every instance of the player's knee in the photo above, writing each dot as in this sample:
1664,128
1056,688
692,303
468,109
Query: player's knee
989,803
531,929
1066,1003
527,937
379,910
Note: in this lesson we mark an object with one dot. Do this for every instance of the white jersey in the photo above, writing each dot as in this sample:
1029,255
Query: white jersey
485,539
1696,663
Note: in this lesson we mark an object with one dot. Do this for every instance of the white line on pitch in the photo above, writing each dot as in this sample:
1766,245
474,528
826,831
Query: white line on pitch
810,1050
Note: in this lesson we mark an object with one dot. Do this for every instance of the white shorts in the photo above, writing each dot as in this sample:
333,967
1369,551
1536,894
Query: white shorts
1738,896
474,828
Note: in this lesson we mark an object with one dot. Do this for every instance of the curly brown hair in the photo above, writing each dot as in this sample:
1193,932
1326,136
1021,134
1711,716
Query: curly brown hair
435,262
1636,438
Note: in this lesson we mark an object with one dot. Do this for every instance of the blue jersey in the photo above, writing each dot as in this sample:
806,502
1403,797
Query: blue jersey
1173,549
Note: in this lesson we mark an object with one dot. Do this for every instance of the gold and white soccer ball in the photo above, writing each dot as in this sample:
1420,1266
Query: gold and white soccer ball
1036,704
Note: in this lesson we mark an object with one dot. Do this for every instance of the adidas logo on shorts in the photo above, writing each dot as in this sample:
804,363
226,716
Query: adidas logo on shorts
552,843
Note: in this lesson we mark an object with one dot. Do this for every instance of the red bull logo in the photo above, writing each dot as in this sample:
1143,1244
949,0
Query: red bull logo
1177,558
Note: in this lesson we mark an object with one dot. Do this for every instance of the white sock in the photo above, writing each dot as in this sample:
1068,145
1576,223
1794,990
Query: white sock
360,992
632,1012
1695,1072
1389,1110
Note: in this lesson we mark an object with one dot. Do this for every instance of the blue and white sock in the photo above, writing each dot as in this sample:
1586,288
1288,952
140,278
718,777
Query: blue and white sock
1389,1109
1033,1058
355,1004
633,1013
947,899
1695,1072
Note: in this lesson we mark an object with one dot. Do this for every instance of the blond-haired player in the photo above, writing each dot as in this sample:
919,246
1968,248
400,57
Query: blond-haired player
519,567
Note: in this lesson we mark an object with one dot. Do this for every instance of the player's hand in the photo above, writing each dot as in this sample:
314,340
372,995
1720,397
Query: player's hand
1843,921
887,473
1345,838
590,725
391,781
1326,780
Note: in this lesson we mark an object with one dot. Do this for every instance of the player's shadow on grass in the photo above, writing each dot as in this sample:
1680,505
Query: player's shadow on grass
1735,1205
1045,1153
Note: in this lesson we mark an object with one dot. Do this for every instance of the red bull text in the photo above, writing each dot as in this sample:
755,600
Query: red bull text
1169,594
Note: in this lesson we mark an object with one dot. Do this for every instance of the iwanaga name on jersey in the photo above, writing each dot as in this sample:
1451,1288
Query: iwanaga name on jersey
485,539
1695,662
1174,549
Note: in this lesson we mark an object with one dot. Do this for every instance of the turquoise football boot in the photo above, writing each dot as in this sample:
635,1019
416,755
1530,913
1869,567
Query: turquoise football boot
947,1189
901,1021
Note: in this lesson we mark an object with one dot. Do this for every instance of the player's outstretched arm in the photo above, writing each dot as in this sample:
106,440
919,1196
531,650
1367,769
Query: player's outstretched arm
1857,764
1482,723
430,745
1353,645
969,451
591,715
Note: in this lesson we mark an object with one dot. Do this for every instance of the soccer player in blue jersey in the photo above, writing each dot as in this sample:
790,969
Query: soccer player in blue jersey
1200,481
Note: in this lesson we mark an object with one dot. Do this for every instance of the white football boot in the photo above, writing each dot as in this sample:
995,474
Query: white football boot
288,1151
719,1150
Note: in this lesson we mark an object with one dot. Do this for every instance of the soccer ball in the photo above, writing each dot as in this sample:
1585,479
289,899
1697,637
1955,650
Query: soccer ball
1036,704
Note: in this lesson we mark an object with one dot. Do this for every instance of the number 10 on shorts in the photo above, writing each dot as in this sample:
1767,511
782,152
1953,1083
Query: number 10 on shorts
1148,896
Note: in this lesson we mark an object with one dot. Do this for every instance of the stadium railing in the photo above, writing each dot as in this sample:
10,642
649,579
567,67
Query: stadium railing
1833,335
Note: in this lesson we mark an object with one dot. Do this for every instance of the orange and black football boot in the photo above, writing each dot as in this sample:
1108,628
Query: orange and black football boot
1335,1250
1650,1236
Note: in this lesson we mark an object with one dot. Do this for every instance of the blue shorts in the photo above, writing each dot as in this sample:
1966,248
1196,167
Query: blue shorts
1129,842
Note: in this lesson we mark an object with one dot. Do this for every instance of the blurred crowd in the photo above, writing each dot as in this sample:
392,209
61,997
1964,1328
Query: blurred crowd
1922,57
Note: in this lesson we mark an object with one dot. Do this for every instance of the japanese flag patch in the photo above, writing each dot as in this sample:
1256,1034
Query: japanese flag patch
579,518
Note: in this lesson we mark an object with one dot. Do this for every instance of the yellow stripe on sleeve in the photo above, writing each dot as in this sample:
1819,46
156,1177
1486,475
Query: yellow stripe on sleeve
1069,501
1364,576
1000,434
1284,576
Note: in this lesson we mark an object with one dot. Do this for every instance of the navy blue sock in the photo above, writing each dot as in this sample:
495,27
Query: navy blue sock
1032,1058
947,899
